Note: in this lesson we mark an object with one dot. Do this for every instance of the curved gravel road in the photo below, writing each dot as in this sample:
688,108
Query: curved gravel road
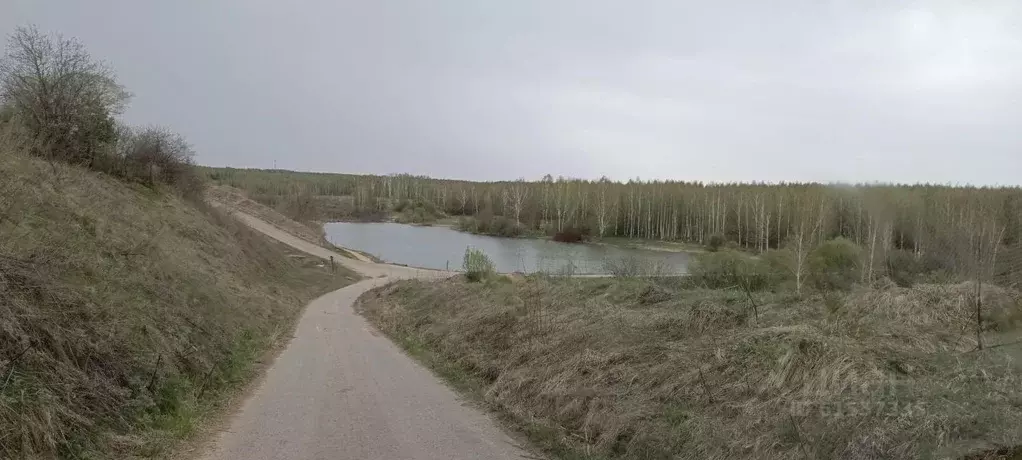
340,390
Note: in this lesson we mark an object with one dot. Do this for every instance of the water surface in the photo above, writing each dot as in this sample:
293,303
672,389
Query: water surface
444,248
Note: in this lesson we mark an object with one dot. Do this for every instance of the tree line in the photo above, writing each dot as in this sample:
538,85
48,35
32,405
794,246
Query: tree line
955,224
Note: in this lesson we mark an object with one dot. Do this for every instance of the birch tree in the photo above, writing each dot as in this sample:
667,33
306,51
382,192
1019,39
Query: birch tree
804,238
515,196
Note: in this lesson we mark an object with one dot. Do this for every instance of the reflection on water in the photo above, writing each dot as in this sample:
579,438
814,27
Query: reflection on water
442,248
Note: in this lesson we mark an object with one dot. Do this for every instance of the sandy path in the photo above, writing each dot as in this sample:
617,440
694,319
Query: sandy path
343,391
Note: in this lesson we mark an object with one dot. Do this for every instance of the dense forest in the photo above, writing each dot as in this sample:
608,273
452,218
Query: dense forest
959,224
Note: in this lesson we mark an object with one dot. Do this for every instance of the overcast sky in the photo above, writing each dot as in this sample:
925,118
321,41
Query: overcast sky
476,89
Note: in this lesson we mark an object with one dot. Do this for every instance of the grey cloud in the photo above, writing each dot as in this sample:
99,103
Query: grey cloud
798,90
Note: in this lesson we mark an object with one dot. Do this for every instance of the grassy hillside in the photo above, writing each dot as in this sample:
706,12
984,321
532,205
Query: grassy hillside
629,368
126,313
313,232
236,199
297,196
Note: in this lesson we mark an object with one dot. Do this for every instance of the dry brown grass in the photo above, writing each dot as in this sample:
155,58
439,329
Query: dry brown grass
599,368
127,314
236,199
312,232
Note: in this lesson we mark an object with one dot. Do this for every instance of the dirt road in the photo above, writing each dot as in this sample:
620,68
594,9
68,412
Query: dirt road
343,391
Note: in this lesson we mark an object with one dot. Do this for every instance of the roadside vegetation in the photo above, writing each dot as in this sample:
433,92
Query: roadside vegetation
805,351
130,310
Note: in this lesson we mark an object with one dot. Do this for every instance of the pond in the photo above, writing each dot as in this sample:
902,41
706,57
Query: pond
444,248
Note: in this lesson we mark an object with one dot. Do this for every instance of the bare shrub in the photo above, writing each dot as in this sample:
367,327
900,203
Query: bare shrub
153,155
502,226
634,266
905,268
571,235
732,269
715,242
495,225
834,265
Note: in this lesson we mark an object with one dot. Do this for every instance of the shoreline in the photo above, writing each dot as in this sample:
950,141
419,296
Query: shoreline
660,246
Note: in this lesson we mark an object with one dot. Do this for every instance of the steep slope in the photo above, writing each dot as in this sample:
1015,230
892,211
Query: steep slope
126,314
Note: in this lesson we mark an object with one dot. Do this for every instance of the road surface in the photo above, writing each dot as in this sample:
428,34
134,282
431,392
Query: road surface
343,391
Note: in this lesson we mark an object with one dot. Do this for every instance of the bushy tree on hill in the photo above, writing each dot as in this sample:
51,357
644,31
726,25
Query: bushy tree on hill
65,99
64,103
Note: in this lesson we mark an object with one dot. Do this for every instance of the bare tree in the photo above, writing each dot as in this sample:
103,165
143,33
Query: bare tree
879,222
984,240
562,201
804,238
65,99
462,198
515,196
601,206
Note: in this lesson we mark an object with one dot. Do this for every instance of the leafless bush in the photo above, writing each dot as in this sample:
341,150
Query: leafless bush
634,266
153,155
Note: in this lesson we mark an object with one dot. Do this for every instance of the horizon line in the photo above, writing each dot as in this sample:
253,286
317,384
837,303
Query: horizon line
874,183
